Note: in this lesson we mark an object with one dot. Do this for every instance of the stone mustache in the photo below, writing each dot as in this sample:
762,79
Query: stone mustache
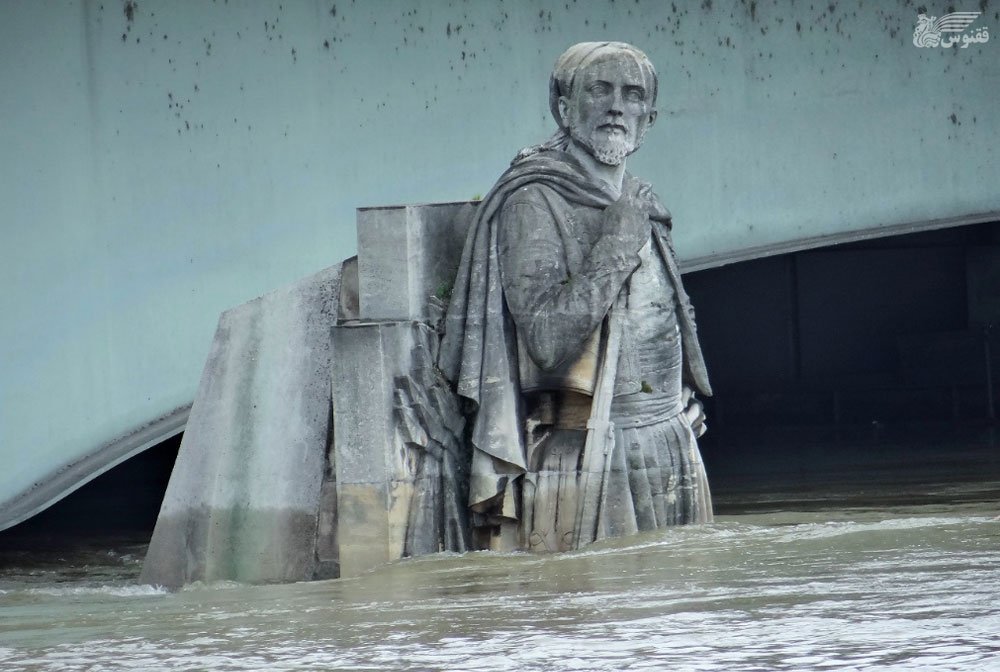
539,396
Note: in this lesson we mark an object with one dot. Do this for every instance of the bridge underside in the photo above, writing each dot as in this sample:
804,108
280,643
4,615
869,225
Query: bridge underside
870,363
781,127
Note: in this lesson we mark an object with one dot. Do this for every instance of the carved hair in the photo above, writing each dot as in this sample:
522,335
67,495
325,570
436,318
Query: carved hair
568,65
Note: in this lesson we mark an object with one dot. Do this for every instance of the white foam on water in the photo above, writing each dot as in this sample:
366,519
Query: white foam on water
199,586
838,528
142,590
906,593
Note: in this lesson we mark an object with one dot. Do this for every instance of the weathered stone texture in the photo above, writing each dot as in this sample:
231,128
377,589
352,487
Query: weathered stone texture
408,254
244,496
259,492
399,457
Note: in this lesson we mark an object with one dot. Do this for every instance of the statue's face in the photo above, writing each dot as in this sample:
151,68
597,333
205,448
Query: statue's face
610,108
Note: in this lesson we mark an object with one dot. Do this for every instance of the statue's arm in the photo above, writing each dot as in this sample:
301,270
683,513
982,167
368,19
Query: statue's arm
555,310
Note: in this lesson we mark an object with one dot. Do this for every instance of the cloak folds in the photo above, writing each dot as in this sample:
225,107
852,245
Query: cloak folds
478,352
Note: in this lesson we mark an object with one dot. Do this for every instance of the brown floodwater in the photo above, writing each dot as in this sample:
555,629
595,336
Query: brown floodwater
835,587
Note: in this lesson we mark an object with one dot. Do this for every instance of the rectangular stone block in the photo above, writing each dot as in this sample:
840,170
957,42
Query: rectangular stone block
244,497
363,533
407,254
373,472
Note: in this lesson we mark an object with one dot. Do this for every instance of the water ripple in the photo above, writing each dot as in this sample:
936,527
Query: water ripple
909,592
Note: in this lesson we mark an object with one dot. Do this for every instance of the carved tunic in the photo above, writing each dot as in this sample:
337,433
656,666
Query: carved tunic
651,342
559,279
535,283
560,276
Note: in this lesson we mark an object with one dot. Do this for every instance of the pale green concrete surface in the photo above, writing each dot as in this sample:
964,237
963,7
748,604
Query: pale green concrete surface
161,165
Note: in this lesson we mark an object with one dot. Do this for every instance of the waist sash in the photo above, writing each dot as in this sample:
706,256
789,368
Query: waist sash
571,410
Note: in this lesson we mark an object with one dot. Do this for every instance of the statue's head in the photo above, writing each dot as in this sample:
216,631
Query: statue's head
603,94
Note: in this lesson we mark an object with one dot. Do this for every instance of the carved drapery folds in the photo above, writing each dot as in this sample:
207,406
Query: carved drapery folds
430,424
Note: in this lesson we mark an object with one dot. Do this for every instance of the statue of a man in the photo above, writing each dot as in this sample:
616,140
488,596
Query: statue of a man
571,332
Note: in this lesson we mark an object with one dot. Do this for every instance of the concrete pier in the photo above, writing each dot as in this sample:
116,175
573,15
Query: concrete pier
253,468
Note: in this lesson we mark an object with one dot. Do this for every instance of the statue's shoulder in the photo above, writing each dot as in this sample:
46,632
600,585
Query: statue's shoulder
537,194
531,211
539,178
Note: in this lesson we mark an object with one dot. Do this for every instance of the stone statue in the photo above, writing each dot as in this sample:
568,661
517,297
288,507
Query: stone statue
557,408
570,331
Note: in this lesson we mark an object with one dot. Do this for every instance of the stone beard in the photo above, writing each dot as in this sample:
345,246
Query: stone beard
611,148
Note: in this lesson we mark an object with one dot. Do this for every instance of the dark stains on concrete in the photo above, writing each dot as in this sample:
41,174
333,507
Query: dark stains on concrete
758,24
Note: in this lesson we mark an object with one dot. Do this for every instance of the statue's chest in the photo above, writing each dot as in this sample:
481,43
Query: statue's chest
581,230
650,356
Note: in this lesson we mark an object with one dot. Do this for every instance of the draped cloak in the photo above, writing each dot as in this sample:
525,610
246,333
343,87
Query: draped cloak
478,352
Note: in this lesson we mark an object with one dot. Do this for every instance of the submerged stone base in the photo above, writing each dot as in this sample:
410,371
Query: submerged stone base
400,485
319,445
254,463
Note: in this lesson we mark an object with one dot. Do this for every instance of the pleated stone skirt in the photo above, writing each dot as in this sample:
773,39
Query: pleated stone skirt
656,480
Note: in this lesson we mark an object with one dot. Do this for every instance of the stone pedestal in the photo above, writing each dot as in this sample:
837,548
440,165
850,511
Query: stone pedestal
397,429
406,255
253,467
397,433
283,477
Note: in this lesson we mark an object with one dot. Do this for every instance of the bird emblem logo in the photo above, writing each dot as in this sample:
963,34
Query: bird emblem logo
929,29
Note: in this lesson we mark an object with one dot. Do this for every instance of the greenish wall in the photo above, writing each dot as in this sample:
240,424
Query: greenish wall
161,161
